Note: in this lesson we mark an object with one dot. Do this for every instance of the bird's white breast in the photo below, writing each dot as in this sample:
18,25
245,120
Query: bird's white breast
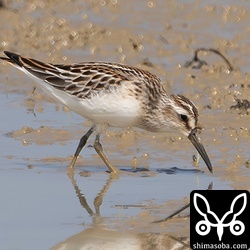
116,108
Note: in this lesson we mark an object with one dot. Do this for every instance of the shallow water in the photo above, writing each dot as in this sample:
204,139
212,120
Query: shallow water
42,205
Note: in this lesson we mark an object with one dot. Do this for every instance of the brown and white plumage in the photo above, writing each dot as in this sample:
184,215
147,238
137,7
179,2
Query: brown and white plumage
111,94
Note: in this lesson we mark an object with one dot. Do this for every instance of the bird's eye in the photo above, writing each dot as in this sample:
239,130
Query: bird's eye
184,118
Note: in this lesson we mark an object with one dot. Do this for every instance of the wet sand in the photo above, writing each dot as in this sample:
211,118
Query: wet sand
43,206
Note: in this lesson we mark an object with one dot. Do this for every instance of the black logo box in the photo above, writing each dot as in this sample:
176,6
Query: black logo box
220,202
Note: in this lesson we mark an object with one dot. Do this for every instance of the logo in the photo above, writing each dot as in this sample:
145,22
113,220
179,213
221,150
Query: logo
219,218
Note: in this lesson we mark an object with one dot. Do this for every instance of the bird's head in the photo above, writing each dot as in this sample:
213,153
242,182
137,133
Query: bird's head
182,116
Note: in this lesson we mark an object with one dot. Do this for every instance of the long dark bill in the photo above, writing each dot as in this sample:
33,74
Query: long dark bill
193,137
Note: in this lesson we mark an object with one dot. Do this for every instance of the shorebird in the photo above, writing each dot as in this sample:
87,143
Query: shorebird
114,95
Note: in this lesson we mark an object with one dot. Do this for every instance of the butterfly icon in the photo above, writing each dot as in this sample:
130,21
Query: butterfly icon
203,227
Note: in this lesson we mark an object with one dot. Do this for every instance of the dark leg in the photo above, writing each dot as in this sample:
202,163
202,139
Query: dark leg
99,150
82,143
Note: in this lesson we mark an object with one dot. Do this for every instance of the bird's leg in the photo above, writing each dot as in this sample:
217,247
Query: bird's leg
99,150
82,143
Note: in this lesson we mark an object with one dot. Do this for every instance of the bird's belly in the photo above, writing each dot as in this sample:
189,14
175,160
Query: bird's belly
114,109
